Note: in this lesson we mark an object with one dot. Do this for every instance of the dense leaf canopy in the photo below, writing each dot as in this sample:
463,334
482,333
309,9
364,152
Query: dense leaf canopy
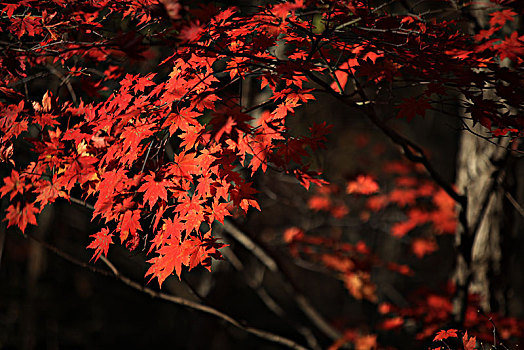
148,127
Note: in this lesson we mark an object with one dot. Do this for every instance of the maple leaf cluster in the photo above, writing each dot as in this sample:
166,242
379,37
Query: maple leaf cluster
433,310
161,155
371,203
351,263
469,343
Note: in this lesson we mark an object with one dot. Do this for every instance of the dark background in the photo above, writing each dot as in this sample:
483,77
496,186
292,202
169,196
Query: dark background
46,302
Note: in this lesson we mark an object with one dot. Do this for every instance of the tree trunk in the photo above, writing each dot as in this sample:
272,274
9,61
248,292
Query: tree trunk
480,172
485,225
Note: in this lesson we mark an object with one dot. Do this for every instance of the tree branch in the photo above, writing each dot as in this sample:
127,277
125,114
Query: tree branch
412,151
514,202
64,81
254,281
275,338
272,265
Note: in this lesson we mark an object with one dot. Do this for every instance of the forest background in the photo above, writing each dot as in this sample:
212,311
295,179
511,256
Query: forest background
356,164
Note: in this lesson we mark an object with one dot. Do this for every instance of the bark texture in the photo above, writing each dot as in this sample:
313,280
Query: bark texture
487,221
480,173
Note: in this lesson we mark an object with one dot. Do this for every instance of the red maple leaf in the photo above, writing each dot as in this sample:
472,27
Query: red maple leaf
403,197
501,17
392,323
318,202
170,231
189,203
469,342
101,242
49,192
445,334
423,246
193,220
191,32
181,120
411,106
220,210
154,190
293,234
400,229
133,135
204,185
184,165
283,9
191,136
6,152
172,7
210,250
13,184
81,170
21,217
511,47
377,203
318,135
363,184
10,9
171,258
130,224
143,82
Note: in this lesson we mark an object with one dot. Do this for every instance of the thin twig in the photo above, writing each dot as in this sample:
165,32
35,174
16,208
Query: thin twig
514,202
147,156
81,202
64,80
248,243
260,105
70,258
333,74
490,319
358,19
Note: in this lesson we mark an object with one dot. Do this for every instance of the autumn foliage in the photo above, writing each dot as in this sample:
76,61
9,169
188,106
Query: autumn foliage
164,151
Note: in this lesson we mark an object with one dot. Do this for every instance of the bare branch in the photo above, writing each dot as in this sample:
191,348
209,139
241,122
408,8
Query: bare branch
272,265
514,202
275,338
255,283
248,243
64,81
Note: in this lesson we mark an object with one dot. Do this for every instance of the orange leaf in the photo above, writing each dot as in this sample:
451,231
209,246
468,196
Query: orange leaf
469,343
130,224
319,203
101,243
423,246
293,234
392,323
154,190
21,217
364,184
450,333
